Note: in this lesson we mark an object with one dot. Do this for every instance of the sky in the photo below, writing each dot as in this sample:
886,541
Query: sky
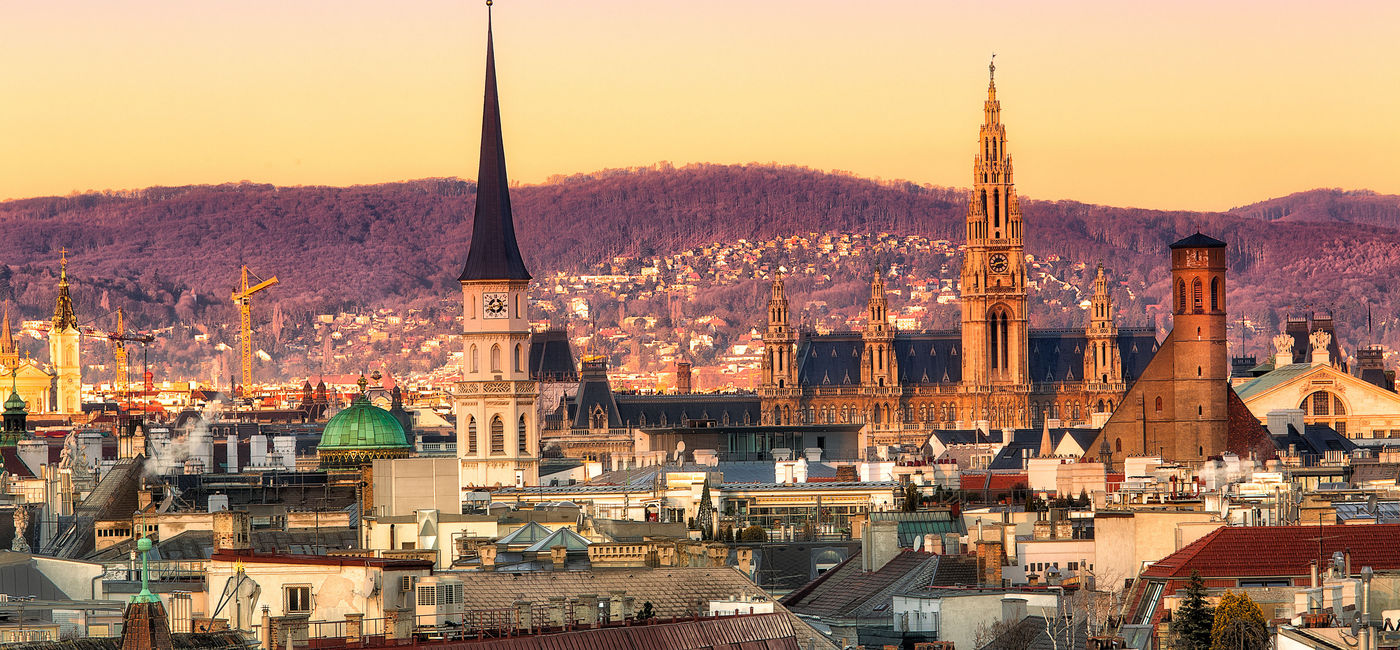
1171,105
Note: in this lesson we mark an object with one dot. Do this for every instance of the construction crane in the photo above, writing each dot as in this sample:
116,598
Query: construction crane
242,298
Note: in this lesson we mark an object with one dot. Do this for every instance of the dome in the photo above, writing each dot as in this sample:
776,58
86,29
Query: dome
360,434
15,404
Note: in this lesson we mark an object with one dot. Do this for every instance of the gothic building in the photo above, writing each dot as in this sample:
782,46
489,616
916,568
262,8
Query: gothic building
995,370
497,421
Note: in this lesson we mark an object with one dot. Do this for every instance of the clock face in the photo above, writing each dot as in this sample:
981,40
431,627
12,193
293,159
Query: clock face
494,305
998,263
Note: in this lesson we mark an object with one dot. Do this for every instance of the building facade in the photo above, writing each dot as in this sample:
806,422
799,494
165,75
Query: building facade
995,370
497,422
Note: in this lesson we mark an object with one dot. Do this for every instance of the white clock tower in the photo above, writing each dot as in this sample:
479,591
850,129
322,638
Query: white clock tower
497,431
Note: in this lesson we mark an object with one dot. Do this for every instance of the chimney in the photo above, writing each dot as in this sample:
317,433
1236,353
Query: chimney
488,556
1013,610
683,377
745,557
1279,419
558,556
880,545
232,530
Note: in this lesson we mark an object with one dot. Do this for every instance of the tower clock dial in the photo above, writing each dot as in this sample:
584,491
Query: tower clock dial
494,305
998,263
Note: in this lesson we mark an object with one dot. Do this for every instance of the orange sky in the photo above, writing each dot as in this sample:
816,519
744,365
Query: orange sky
1202,105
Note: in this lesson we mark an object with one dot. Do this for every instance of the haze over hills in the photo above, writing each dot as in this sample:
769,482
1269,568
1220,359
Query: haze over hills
170,255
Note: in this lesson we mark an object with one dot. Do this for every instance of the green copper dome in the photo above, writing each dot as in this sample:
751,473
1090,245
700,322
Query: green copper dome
361,433
15,404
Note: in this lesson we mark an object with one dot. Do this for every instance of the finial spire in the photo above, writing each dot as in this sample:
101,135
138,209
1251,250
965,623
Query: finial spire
493,253
992,78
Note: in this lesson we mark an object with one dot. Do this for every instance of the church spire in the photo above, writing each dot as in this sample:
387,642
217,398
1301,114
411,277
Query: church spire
7,339
494,254
63,317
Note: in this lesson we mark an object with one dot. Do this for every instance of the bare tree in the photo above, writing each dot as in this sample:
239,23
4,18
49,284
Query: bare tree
1005,635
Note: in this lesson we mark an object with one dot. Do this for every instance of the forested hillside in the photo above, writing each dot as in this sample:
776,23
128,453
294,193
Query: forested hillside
171,255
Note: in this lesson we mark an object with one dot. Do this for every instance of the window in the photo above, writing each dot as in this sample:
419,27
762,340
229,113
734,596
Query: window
1159,404
1118,445
1196,307
1215,294
471,434
519,358
495,358
522,440
1180,296
296,599
473,356
498,436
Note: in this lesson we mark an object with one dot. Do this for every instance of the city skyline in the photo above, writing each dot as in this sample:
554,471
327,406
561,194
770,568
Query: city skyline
1192,107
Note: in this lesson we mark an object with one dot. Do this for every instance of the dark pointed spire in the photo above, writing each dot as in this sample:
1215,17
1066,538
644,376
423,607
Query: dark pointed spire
63,317
493,255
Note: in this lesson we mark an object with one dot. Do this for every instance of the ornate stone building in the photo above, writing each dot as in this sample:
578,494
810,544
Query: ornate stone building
994,370
497,421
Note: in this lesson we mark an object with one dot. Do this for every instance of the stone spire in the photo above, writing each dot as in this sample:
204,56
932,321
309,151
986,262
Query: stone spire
63,316
9,355
1047,445
494,254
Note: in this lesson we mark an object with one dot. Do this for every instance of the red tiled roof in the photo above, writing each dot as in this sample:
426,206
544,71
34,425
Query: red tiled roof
1000,481
1277,551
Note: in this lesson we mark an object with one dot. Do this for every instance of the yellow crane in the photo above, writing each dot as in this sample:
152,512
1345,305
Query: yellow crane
241,297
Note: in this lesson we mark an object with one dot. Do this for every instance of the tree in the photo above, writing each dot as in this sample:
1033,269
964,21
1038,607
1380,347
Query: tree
705,514
646,613
1192,622
912,498
1005,635
1239,624
754,534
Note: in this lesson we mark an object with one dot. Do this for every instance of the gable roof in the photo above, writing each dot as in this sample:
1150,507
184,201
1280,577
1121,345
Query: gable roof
673,591
848,591
1198,241
1279,551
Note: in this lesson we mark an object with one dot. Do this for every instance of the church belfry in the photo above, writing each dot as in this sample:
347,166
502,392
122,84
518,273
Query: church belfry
497,432
878,362
994,312
63,347
779,365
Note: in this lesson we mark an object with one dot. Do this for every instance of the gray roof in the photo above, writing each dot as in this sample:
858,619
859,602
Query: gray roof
1271,379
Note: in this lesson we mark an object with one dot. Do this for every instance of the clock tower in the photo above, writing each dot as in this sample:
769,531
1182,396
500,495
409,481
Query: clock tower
497,431
994,314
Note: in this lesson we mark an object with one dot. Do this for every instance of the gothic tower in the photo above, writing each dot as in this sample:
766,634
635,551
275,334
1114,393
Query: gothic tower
995,317
779,366
63,347
9,354
878,372
1201,366
1103,366
497,435
1178,408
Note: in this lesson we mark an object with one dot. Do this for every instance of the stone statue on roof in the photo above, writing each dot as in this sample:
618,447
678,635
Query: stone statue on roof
1320,340
1283,345
21,541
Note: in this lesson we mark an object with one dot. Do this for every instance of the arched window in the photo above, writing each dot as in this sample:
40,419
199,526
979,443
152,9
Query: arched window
522,439
1196,307
1215,294
599,419
475,366
1323,403
495,358
471,435
498,435
1159,404
519,358
1118,445
1180,296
